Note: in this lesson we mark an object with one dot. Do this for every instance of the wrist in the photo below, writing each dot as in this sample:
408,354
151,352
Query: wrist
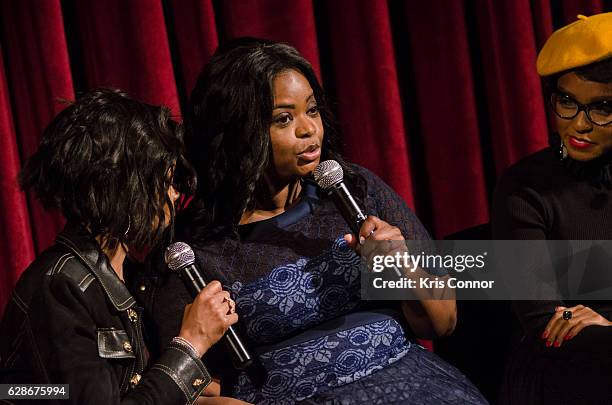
198,346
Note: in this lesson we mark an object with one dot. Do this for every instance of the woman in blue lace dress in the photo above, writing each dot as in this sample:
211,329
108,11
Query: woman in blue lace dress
259,127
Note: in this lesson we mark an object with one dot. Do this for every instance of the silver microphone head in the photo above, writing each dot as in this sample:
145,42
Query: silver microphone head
328,174
179,255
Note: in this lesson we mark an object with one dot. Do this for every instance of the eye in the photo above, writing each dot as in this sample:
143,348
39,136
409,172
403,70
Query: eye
313,111
282,119
604,108
565,101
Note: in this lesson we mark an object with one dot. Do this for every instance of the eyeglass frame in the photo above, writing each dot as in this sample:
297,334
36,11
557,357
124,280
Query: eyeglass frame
581,107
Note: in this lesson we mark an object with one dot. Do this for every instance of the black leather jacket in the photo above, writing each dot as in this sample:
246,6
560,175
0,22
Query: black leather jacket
71,320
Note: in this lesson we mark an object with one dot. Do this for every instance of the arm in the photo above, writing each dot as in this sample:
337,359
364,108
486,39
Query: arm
519,212
428,318
70,353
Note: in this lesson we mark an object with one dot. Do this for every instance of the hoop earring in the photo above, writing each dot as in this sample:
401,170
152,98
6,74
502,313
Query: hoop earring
562,151
128,227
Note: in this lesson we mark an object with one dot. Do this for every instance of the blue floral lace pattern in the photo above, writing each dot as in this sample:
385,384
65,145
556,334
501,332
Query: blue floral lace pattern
300,371
296,296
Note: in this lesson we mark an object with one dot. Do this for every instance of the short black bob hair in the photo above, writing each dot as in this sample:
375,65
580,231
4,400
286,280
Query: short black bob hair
599,72
107,162
228,121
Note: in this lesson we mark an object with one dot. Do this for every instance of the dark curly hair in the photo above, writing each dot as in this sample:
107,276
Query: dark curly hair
228,121
107,162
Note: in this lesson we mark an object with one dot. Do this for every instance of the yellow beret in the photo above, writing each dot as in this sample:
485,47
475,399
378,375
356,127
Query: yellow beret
580,43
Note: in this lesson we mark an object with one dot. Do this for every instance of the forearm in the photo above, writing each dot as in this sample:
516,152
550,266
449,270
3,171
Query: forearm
176,377
430,319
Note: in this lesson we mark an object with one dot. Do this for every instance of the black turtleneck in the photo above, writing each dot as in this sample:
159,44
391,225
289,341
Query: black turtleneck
544,197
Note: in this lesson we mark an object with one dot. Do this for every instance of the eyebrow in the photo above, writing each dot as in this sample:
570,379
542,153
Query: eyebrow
593,100
292,106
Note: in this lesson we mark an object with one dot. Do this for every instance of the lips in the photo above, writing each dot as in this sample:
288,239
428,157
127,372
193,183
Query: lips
579,143
312,152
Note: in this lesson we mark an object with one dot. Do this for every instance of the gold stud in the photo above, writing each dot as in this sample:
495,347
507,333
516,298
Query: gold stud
143,287
133,315
135,380
127,347
197,382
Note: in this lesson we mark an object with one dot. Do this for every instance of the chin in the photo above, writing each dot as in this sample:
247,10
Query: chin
307,168
583,156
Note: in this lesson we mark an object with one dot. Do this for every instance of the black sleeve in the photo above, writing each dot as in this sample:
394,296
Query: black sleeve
385,203
70,354
521,212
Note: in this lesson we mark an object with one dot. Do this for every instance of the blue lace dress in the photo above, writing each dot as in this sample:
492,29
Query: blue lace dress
296,284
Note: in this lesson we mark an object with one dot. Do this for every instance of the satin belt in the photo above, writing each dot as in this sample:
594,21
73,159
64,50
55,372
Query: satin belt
335,325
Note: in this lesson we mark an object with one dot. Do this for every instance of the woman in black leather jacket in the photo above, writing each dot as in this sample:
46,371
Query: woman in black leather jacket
115,168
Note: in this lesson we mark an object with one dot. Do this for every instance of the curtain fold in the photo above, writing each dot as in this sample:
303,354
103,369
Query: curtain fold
280,20
196,37
515,106
447,115
38,74
366,86
125,44
17,244
436,97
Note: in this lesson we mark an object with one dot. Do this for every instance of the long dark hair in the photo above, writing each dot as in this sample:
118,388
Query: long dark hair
228,121
107,162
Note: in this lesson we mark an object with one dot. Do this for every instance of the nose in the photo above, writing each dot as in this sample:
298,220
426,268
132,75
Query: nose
582,123
306,127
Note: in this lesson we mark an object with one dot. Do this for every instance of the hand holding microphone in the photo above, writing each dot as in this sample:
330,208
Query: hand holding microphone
212,312
329,176
206,320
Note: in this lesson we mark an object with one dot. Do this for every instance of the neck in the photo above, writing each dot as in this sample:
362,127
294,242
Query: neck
116,257
276,199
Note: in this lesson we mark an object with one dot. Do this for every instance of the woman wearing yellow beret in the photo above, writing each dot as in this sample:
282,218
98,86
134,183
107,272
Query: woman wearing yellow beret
564,354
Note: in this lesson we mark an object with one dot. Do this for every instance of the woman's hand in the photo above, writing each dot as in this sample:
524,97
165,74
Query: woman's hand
208,317
428,318
374,228
559,329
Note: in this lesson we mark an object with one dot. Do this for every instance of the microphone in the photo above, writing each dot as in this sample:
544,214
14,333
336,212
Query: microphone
329,176
181,260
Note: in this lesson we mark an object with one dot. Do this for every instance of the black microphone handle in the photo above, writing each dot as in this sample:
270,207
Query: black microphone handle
241,358
352,214
346,204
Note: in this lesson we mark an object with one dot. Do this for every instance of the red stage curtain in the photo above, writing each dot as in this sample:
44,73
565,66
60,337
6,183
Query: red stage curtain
437,97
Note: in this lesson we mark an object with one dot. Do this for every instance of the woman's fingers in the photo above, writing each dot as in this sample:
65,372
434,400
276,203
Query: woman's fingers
560,329
578,317
554,325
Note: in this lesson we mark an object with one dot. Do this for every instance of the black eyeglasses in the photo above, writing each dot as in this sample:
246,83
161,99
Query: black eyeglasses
599,113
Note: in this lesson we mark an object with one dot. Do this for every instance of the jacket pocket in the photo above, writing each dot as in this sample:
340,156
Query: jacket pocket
114,344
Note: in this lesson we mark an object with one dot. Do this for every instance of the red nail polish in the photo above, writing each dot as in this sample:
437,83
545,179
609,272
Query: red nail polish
557,344
545,335
548,343
567,337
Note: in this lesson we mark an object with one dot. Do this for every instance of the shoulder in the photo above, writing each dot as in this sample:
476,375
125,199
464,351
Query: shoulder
539,171
59,265
56,275
375,187
385,203
368,176
523,201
